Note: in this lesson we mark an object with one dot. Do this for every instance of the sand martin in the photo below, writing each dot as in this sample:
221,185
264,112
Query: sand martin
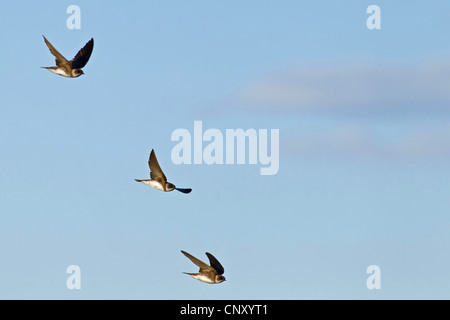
72,68
158,179
208,274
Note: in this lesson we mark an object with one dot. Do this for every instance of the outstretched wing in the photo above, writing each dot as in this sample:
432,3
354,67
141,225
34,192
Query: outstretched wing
155,170
203,266
215,263
59,57
83,55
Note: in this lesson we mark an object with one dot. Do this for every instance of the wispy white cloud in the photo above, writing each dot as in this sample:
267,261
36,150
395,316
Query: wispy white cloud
413,101
425,142
354,87
359,141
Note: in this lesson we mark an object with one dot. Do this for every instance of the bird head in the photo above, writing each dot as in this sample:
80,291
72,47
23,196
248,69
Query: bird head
170,186
77,72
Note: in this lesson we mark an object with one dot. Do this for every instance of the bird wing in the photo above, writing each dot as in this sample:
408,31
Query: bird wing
203,266
215,263
82,57
155,170
59,57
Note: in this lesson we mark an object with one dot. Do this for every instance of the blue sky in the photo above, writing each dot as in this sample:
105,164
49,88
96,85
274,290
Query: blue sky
364,150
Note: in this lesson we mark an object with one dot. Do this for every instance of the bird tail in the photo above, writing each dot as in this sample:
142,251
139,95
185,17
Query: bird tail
183,190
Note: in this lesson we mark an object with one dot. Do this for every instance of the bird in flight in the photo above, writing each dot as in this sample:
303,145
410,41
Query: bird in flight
212,273
158,179
72,68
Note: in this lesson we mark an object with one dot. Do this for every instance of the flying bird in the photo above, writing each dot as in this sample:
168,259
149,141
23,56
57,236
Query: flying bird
158,179
72,68
208,273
